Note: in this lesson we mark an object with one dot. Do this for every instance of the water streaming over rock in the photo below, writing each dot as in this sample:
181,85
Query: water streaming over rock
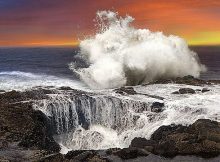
106,119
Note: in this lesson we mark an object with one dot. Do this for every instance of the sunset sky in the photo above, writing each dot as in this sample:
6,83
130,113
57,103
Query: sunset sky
64,22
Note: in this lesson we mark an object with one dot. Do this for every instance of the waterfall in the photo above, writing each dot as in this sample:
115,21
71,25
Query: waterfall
107,119
87,116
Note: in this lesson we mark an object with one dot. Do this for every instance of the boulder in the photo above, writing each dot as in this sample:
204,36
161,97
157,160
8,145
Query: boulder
205,90
189,80
185,91
202,138
142,142
126,90
131,153
157,107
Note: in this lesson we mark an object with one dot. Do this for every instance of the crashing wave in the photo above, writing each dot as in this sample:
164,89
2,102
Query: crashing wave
120,54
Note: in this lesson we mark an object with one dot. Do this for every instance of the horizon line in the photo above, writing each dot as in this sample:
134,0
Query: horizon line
77,45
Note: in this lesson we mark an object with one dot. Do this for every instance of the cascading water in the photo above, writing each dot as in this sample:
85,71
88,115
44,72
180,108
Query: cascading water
105,119
89,116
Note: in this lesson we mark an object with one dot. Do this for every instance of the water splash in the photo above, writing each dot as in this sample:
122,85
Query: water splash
120,54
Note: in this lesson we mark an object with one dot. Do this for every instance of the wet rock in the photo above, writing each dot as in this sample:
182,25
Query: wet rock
53,158
112,151
205,90
185,91
3,144
126,90
23,128
202,138
84,156
41,136
142,142
73,154
97,158
131,153
189,80
157,107
65,88
2,91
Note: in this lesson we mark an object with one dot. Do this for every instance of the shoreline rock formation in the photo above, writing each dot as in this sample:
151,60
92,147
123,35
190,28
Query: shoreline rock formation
27,134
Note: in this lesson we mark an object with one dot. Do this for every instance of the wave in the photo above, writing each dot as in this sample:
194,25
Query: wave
18,80
120,54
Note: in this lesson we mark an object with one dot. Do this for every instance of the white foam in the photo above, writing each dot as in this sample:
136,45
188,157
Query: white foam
120,54
17,80
114,120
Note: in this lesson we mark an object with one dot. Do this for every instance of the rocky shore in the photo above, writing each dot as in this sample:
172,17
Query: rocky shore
27,134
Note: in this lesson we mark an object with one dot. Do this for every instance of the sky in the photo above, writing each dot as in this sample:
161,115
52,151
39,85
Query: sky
65,22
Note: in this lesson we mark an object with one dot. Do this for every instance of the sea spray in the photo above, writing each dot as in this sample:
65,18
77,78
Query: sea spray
120,54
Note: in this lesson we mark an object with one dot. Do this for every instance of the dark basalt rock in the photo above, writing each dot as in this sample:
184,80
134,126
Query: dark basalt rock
126,90
185,91
57,157
30,128
142,142
65,88
2,91
189,80
205,90
23,127
157,107
41,136
201,138
130,153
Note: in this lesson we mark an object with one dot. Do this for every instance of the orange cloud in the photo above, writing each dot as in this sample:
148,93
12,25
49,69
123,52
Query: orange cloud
185,18
58,22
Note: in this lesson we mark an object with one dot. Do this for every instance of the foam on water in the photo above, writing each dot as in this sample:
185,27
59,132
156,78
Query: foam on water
120,54
107,120
17,80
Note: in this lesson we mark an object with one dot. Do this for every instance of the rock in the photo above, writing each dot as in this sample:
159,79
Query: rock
163,131
53,158
185,91
73,154
41,136
3,144
202,138
149,148
189,80
23,128
2,91
84,156
142,142
112,151
126,90
97,158
157,107
65,88
205,90
131,153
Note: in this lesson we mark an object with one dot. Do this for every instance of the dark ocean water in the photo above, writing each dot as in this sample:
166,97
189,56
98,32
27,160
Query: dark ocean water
18,64
209,56
50,61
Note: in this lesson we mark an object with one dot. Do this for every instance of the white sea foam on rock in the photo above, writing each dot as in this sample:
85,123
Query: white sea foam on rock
120,54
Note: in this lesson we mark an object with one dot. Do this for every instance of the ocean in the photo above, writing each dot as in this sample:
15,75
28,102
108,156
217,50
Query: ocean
22,68
106,119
